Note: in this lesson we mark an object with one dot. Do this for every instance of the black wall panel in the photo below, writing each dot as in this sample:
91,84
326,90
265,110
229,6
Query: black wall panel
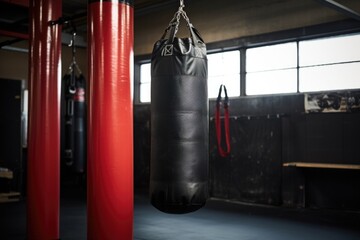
252,173
351,138
266,132
141,146
324,138
10,129
332,188
321,138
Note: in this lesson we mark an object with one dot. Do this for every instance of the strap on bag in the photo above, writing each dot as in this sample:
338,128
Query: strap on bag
225,103
173,27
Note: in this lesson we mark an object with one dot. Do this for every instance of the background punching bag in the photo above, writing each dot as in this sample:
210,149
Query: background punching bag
73,119
74,122
80,125
179,121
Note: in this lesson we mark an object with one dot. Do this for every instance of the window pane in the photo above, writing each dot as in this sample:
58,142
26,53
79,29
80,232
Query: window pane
145,81
224,63
273,57
329,50
330,77
281,81
145,73
224,68
232,83
145,92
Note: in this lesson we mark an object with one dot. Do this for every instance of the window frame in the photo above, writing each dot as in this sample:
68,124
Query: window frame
334,29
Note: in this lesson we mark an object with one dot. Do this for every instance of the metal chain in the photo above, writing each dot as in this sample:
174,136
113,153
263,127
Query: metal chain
182,5
182,13
175,21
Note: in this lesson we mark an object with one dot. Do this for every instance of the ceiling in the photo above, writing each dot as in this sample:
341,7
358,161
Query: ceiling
14,16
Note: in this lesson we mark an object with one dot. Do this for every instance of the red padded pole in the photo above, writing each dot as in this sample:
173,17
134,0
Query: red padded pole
44,124
110,120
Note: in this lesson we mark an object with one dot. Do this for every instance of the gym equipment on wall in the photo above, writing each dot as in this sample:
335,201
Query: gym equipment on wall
74,115
225,104
179,120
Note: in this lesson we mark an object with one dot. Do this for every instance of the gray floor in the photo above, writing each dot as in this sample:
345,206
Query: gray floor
228,221
218,220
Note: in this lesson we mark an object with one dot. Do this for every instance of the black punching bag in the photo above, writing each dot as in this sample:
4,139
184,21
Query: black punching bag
74,122
80,125
179,121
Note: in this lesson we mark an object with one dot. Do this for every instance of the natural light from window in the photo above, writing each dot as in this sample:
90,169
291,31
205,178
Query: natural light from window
224,68
271,69
145,82
329,64
323,64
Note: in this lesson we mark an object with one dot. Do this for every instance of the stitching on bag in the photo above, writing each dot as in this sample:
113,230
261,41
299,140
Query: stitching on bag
198,53
167,50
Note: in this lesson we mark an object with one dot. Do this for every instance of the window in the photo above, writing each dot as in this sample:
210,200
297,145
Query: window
271,69
322,64
224,68
329,63
145,82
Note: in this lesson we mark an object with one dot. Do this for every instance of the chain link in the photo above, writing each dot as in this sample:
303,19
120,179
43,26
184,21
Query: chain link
175,21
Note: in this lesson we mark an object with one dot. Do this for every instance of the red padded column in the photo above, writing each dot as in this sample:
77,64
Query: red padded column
44,124
110,120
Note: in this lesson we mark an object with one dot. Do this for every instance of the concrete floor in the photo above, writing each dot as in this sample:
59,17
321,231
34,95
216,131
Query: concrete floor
218,220
228,221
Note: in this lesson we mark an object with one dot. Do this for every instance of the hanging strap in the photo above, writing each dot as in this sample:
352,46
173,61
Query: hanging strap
225,104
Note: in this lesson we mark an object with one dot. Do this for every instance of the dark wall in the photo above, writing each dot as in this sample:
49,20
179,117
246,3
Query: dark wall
141,146
10,131
266,132
321,138
252,173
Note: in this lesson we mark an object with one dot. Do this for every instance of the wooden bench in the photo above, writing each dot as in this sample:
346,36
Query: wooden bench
11,196
322,165
6,174
294,179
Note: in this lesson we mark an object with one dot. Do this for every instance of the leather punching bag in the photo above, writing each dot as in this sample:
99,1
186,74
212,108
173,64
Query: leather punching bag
179,121
74,122
80,126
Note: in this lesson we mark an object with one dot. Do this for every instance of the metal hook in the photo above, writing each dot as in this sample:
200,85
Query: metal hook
73,47
182,5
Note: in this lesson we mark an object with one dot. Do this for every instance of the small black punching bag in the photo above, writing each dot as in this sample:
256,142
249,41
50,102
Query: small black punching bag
80,125
74,122
179,121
